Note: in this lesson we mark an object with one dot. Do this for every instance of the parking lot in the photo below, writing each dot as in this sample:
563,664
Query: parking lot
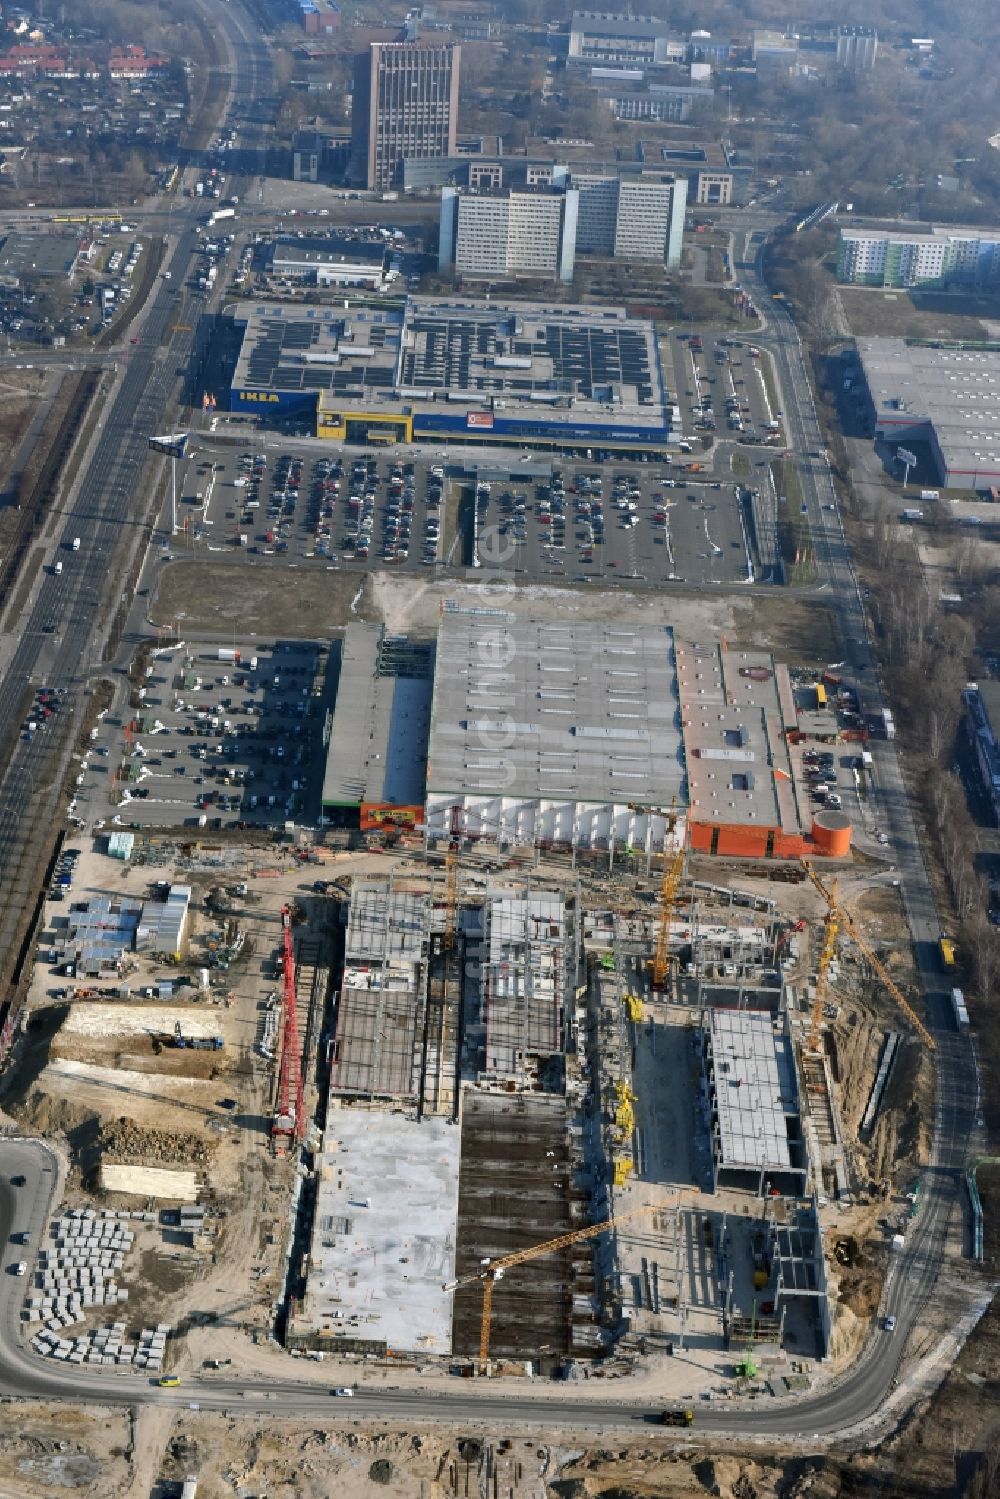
318,505
225,736
720,387
659,519
634,523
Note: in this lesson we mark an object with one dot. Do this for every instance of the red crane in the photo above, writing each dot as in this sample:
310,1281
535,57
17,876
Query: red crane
289,1118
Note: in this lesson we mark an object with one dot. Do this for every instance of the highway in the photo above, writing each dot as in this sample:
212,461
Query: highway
59,636
59,644
958,1102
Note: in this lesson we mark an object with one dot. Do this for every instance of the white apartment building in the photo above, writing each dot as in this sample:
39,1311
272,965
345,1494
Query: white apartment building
539,232
595,230
939,257
642,225
519,234
631,218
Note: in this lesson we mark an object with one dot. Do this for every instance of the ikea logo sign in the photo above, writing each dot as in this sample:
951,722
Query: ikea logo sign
259,396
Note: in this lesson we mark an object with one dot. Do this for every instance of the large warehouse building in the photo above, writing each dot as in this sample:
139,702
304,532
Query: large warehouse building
579,735
588,735
474,371
947,396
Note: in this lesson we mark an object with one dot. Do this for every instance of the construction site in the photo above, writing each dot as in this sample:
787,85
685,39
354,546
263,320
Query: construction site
527,1105
572,1126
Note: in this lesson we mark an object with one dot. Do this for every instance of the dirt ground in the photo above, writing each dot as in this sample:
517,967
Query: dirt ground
899,314
111,1455
58,1451
206,597
19,389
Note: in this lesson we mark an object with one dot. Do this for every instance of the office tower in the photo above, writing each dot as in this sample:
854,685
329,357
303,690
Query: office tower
405,105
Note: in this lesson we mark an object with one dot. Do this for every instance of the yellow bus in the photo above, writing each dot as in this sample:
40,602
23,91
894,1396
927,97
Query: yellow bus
947,950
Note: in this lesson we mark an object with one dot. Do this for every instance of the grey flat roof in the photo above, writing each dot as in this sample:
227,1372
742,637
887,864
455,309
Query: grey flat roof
48,255
331,251
567,364
755,1088
934,232
737,707
601,23
553,710
587,363
378,737
384,1236
288,348
954,390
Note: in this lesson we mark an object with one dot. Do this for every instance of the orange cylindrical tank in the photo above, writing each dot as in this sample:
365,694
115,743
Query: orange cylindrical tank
831,832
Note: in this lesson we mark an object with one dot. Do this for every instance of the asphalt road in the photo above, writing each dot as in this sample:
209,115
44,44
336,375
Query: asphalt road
23,1374
958,1102
58,635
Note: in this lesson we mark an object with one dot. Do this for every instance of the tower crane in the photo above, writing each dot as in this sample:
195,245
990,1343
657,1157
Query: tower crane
846,924
673,868
672,871
451,878
493,1270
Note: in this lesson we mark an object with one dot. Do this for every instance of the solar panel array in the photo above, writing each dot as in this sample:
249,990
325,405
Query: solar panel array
269,366
451,353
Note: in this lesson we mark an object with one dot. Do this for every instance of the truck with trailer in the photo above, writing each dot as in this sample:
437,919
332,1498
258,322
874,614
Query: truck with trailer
677,1416
888,724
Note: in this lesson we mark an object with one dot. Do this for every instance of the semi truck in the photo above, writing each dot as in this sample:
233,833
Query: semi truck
888,724
677,1416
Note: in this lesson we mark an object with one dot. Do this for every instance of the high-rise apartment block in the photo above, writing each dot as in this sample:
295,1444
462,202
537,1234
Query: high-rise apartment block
540,230
942,257
405,105
529,233
631,218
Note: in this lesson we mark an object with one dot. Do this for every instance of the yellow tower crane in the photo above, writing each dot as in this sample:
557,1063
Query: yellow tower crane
846,924
451,878
493,1270
672,871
